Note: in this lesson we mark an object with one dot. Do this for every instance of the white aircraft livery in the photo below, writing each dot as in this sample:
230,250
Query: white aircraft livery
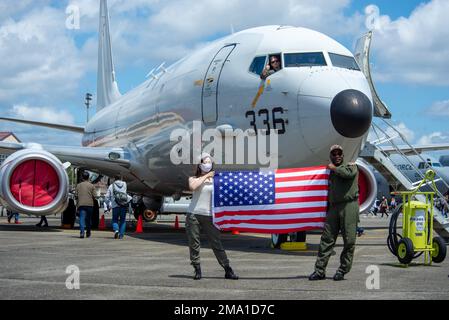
318,97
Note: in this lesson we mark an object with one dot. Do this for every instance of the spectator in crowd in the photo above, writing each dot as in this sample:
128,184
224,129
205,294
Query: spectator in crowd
14,215
85,192
383,209
117,199
43,221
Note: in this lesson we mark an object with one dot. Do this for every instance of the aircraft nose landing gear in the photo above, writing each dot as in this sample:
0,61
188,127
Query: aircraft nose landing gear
297,241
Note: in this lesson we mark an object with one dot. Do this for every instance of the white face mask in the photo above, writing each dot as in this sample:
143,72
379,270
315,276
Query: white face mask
206,167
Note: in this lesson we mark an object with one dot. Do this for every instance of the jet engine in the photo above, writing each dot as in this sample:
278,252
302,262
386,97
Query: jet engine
367,186
34,182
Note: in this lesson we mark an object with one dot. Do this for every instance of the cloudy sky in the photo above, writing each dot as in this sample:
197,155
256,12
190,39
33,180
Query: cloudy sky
46,67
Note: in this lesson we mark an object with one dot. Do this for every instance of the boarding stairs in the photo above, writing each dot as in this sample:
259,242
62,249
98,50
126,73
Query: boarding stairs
385,133
386,140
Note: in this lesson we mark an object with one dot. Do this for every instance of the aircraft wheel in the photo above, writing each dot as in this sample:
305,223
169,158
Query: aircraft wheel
149,215
298,236
278,239
439,250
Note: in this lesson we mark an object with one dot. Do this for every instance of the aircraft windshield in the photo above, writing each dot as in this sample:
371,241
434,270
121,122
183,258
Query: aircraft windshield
305,59
258,64
343,61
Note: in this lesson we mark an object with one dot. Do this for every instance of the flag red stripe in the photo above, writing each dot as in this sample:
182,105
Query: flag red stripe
300,169
273,222
302,188
280,231
302,178
301,199
270,212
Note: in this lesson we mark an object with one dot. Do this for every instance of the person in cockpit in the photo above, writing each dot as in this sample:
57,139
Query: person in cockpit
272,67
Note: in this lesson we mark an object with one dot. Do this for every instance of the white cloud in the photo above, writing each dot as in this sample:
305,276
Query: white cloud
439,109
47,136
404,130
43,114
7,9
38,58
414,49
49,65
148,32
378,134
435,137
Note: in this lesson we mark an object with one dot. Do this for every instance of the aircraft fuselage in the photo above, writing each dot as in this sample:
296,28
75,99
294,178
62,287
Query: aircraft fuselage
217,86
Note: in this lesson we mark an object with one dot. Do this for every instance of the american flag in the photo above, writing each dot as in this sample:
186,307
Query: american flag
283,201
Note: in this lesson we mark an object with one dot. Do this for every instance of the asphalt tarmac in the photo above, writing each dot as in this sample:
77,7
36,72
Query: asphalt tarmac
155,265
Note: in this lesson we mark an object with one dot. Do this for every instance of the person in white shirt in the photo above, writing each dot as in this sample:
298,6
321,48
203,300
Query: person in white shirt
199,217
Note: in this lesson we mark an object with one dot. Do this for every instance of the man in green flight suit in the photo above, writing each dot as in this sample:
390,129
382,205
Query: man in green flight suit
342,214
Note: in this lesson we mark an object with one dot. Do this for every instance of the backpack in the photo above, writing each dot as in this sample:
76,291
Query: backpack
120,197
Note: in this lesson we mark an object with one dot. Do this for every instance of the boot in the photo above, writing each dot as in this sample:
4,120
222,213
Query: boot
316,276
339,276
197,275
229,274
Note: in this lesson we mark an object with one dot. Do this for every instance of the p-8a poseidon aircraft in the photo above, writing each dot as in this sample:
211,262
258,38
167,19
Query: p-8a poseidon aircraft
318,98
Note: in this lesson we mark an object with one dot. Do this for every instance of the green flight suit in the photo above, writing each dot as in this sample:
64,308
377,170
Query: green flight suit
342,215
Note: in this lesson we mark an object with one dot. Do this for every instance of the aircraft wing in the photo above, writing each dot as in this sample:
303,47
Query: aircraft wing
419,148
71,128
7,148
107,161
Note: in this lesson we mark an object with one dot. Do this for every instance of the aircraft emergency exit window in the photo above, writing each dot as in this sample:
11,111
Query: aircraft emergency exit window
343,61
257,65
305,59
425,165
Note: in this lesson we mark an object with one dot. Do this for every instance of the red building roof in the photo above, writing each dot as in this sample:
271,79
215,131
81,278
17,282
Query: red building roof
4,135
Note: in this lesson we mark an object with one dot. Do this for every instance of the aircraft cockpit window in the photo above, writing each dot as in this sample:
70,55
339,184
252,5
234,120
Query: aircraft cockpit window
341,61
257,65
305,59
274,65
436,164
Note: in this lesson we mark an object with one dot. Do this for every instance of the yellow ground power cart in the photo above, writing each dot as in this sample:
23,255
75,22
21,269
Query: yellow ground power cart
417,225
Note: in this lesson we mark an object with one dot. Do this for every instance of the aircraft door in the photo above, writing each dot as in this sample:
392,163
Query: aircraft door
209,97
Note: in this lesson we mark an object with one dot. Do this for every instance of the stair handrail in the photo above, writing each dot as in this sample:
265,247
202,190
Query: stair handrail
404,156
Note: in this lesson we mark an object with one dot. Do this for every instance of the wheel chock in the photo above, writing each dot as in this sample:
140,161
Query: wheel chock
294,246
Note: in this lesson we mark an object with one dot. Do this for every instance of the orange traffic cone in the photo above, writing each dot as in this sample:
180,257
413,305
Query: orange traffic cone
139,228
176,223
235,232
102,225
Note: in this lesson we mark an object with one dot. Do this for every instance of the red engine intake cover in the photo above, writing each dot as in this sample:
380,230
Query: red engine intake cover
34,183
363,187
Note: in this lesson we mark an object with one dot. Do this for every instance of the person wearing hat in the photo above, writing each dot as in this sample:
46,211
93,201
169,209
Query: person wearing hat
342,215
199,217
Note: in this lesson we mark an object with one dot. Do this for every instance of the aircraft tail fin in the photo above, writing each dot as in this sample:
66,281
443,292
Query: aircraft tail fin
107,88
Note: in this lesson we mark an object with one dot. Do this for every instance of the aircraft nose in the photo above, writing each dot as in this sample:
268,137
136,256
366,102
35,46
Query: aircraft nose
351,113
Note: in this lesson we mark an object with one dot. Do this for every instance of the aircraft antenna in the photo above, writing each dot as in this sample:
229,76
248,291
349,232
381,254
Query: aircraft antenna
87,101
